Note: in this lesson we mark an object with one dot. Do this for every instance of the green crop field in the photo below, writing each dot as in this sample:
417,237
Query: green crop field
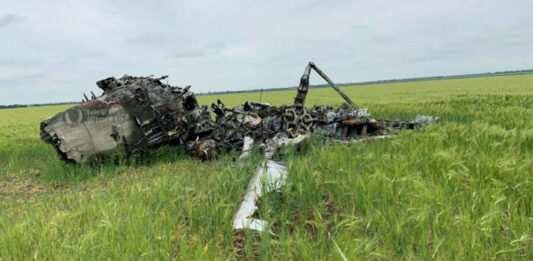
459,189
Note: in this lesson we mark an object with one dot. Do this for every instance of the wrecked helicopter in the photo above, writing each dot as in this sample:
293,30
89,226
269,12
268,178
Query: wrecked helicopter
138,113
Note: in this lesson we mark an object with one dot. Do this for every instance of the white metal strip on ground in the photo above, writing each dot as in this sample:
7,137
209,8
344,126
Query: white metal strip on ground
273,175
246,148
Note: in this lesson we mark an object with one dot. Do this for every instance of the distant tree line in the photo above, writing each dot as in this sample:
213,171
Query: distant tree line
502,73
34,105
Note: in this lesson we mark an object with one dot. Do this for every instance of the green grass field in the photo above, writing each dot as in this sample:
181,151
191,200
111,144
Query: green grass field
460,189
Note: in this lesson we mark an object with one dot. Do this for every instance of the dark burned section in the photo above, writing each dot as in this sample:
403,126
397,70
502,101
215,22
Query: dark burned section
137,113
132,114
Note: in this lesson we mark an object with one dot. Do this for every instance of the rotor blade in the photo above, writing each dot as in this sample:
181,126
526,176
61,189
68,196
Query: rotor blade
328,80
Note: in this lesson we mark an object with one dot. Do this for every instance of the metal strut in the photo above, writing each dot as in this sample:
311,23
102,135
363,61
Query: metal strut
299,100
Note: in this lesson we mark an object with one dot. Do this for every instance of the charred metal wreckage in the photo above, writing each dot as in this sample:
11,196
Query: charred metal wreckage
137,113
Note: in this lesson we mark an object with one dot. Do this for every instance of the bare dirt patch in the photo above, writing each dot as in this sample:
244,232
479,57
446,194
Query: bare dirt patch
13,186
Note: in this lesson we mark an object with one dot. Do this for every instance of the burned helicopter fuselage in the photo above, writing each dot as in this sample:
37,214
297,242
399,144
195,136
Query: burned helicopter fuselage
133,113
136,113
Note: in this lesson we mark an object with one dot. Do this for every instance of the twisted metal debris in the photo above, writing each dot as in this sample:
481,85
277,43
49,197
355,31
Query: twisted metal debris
138,113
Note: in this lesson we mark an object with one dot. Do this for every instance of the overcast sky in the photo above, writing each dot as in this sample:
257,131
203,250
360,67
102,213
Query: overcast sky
53,51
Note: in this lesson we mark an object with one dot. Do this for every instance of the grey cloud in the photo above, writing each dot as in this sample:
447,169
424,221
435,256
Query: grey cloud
22,78
240,44
190,54
10,19
212,49
147,39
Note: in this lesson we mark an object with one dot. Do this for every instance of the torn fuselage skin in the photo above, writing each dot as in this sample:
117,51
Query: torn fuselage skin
138,113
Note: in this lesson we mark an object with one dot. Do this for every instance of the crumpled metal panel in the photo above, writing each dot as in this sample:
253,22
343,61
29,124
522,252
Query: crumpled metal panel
133,113
137,113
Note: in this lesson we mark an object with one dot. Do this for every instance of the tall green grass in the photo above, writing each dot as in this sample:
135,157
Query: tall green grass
460,189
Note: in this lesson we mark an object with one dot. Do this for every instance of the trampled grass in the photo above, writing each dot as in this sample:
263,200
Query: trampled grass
460,189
